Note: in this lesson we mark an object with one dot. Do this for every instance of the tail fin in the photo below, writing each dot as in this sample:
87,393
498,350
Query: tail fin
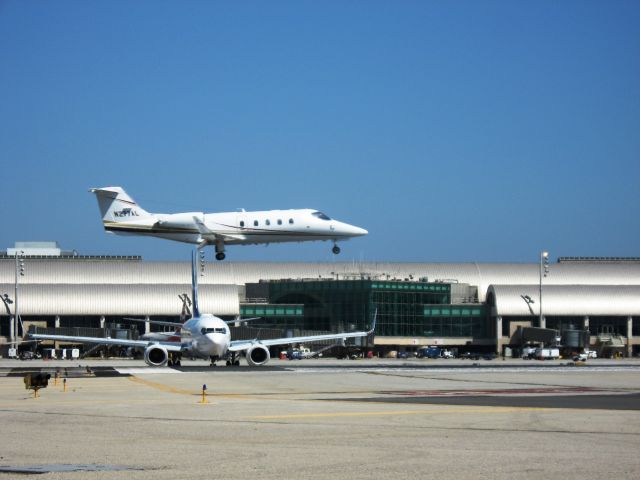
116,206
194,285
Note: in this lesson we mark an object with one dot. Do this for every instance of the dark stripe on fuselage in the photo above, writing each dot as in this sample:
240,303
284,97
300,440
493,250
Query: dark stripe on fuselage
244,232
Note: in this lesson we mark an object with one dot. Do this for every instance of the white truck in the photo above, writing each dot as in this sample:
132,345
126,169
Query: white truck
547,353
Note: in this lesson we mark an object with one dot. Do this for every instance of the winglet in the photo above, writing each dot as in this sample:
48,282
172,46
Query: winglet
373,325
194,285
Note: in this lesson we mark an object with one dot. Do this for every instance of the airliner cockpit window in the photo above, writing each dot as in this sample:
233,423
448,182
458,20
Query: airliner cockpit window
320,215
204,331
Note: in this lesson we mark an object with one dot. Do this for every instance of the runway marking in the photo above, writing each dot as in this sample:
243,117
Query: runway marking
499,392
181,391
162,387
398,412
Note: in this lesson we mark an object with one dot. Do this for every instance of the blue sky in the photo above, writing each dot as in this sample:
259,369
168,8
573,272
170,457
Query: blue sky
452,131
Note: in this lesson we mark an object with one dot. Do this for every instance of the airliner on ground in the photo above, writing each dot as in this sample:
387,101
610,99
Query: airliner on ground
123,216
202,336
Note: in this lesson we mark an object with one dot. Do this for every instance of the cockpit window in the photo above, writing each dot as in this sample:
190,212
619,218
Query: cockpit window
204,331
320,215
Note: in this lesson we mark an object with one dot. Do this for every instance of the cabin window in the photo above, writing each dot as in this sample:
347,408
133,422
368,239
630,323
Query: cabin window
267,222
291,221
242,223
255,223
279,222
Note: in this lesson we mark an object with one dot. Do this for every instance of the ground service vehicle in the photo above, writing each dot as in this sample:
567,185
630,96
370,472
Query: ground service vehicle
429,352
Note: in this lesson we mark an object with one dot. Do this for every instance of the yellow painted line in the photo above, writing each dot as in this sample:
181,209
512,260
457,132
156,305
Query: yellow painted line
396,412
162,387
181,391
56,402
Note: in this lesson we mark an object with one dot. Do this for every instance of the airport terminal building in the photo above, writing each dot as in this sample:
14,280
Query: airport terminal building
487,307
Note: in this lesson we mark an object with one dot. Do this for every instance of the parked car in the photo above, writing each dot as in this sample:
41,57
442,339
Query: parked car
580,357
402,355
294,355
470,356
27,355
429,352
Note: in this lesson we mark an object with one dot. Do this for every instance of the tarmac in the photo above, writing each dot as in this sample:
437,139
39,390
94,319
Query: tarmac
323,418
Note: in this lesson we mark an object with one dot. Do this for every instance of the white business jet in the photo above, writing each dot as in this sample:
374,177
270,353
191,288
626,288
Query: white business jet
122,216
202,336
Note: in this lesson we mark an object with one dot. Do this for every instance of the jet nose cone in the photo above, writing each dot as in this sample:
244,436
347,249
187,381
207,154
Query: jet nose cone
357,231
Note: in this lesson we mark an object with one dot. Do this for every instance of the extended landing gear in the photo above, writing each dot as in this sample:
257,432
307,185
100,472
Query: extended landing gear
214,359
220,251
335,249
232,360
174,360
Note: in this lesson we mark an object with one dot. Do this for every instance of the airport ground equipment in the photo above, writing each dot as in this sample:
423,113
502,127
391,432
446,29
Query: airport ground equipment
36,381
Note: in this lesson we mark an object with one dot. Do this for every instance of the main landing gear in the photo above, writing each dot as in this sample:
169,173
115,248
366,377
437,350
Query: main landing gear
174,360
232,360
335,249
220,251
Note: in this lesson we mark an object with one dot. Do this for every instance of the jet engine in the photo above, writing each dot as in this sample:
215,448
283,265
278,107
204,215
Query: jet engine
180,220
258,355
156,356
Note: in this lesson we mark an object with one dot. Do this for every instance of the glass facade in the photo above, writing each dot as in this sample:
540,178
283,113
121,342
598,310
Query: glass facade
608,325
455,321
404,309
286,316
562,323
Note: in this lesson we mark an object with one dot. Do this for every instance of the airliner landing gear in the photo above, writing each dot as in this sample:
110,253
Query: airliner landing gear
174,360
214,359
220,251
335,249
231,360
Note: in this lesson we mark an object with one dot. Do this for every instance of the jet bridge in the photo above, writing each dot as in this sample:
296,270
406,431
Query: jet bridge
546,336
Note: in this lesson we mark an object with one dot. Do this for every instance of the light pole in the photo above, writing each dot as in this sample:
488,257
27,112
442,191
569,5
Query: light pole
529,301
16,315
544,270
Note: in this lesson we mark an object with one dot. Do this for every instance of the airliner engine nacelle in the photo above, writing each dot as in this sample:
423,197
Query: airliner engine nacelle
258,355
180,220
156,356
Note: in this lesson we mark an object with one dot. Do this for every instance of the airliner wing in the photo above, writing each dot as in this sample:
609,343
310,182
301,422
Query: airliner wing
170,346
240,345
180,325
20,342
240,320
155,322
210,235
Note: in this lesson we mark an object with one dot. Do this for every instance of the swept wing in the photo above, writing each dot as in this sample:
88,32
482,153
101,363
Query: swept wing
169,346
240,345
